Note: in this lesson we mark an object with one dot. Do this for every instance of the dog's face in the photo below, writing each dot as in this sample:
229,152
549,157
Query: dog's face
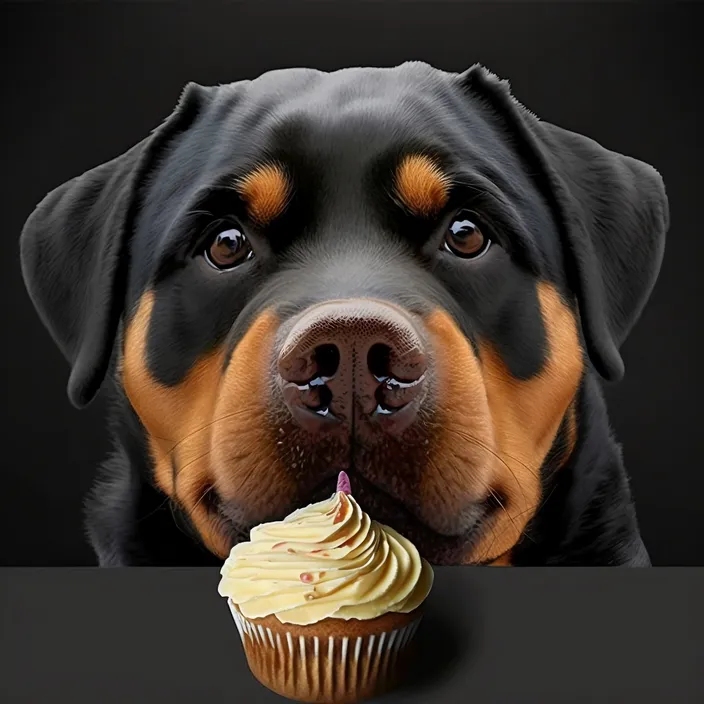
373,270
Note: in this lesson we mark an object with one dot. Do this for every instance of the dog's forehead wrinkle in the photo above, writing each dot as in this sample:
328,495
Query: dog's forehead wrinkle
397,104
353,137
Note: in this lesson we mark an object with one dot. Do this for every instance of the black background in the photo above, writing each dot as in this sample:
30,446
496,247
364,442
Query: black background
83,82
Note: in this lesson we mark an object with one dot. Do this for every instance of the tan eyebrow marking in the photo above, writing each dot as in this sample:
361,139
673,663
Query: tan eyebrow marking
421,185
266,191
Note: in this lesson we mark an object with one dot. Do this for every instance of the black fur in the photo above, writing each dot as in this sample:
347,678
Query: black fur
561,207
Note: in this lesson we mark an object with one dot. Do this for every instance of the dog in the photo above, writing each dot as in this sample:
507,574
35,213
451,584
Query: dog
402,273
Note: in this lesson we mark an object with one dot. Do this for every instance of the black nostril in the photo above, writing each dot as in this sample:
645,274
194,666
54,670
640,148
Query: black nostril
327,360
378,360
325,396
347,358
317,398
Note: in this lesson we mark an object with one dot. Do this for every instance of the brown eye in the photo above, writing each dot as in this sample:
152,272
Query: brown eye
228,247
464,238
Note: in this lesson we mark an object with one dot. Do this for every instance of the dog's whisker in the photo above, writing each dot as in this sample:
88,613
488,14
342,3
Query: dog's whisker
494,534
486,552
176,515
534,508
252,466
181,468
206,426
497,498
470,438
210,489
155,510
186,526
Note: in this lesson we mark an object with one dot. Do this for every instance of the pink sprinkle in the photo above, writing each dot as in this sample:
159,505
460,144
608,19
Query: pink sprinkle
306,577
343,483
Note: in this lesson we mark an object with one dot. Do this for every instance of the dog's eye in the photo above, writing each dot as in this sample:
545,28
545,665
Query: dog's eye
464,237
227,247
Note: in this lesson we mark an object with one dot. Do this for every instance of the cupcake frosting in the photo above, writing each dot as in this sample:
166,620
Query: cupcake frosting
327,560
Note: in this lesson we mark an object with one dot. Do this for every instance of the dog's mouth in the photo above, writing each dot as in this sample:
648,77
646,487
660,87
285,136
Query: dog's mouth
382,507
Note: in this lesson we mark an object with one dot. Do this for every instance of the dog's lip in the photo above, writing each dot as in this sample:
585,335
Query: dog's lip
224,510
409,514
326,488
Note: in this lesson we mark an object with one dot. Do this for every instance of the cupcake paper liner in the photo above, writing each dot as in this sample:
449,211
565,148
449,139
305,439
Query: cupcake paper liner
334,661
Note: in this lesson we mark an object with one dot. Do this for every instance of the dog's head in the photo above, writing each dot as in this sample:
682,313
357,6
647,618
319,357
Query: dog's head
401,272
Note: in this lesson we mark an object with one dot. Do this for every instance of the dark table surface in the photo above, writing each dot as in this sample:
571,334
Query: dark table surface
489,635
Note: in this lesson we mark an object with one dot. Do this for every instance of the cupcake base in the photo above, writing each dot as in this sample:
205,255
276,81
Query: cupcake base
333,661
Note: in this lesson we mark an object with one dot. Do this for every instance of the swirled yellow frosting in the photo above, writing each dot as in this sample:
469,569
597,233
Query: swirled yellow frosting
327,560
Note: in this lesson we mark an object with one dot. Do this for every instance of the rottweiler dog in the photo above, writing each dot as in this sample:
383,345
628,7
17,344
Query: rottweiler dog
401,272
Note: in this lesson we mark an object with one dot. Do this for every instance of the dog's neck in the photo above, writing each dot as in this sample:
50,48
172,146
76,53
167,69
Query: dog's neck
587,516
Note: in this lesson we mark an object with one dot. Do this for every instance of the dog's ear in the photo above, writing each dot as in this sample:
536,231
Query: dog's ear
74,251
613,213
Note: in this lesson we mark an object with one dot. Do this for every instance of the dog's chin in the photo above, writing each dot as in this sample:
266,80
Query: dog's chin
449,544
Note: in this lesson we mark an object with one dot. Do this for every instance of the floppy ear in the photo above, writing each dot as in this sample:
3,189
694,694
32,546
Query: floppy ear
74,250
613,213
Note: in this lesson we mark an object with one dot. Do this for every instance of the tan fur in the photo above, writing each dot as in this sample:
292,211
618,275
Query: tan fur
497,430
421,185
197,424
266,191
502,561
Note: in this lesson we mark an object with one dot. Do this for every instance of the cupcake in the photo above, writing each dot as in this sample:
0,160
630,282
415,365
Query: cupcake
326,601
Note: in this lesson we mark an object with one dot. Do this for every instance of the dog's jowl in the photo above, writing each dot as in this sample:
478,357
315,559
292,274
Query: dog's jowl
401,273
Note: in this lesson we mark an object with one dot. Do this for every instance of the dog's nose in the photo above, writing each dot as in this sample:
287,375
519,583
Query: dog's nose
356,356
